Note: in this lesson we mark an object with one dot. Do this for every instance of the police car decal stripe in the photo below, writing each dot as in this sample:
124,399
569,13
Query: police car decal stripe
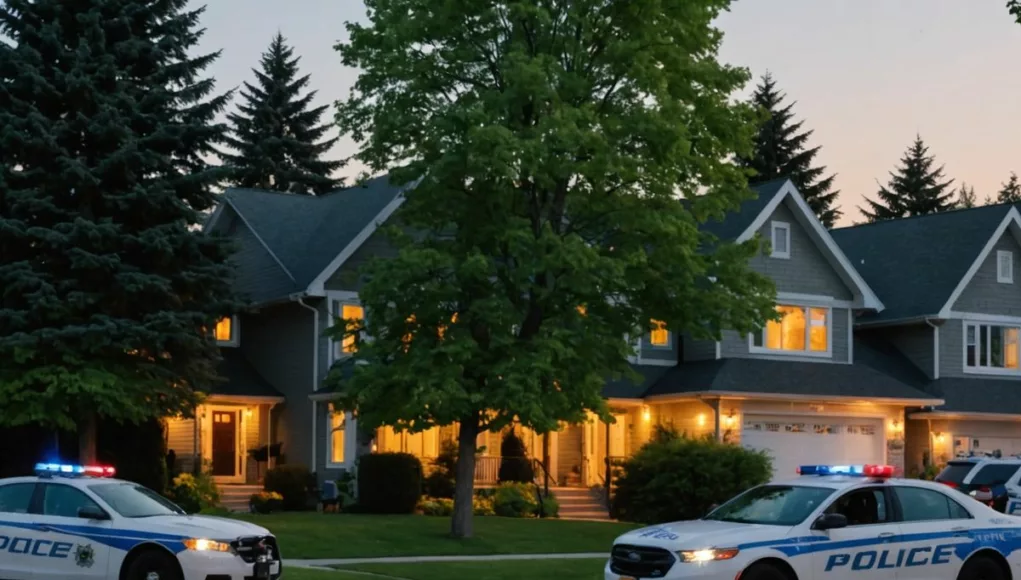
118,539
1004,540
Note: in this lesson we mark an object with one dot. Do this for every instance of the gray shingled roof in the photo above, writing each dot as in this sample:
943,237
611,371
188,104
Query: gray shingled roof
914,264
736,222
306,233
986,395
623,388
242,380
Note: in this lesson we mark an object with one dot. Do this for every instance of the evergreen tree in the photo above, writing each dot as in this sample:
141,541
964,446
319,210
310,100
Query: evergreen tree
105,287
966,197
277,137
780,151
917,188
1010,192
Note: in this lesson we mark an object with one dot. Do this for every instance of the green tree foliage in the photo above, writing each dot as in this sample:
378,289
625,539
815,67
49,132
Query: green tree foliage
276,134
966,196
105,285
548,142
1010,192
916,188
781,151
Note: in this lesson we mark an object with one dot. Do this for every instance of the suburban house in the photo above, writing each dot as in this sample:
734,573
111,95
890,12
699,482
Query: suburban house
899,341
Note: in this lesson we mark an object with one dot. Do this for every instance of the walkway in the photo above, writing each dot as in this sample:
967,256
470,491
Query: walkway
323,563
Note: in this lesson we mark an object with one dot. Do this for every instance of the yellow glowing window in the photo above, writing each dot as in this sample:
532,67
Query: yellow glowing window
353,314
224,331
994,347
1010,348
799,329
338,424
659,336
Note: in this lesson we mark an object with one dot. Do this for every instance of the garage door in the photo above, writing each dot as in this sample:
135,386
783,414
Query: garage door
792,441
965,444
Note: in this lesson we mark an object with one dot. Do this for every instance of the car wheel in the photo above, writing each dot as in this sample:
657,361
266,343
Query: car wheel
153,565
764,571
981,568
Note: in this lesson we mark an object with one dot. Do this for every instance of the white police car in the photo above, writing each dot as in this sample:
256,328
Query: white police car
74,521
831,522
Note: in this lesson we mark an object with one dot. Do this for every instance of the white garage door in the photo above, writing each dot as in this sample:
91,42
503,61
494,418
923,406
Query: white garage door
964,444
792,440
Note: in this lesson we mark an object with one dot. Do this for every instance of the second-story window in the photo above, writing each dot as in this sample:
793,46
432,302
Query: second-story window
801,329
353,314
659,336
991,348
226,331
780,240
1005,267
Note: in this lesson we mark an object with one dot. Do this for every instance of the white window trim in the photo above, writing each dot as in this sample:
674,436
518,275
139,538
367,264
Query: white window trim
669,341
964,349
235,334
828,353
775,228
1008,276
350,445
344,298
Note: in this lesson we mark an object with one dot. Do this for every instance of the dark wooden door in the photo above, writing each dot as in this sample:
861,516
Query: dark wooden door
224,442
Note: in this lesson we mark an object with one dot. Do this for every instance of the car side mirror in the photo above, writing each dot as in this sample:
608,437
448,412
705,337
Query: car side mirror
92,513
830,522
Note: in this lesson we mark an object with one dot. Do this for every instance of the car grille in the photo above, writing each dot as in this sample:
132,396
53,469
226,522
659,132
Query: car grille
641,562
249,547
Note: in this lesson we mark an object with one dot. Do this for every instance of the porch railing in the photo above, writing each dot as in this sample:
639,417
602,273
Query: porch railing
487,470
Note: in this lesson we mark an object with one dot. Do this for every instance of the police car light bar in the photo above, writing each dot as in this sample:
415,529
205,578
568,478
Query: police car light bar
68,470
880,471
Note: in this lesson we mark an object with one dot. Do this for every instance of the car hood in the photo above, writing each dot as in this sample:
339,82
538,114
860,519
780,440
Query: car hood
207,527
700,534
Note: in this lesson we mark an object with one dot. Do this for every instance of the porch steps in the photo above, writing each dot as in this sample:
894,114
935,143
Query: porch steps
235,497
581,503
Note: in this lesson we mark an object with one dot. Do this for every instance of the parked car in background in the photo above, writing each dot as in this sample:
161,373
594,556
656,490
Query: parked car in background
993,481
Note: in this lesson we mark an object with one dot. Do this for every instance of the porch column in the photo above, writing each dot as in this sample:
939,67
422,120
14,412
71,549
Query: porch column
196,443
607,455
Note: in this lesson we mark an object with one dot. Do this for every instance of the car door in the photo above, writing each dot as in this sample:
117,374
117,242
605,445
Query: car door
860,550
932,524
18,535
82,540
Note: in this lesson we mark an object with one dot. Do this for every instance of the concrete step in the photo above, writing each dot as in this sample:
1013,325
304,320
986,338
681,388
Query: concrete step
235,497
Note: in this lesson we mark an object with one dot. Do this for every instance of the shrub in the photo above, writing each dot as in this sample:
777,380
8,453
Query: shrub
515,465
389,483
194,493
436,506
293,483
515,500
265,502
550,507
483,506
680,478
440,483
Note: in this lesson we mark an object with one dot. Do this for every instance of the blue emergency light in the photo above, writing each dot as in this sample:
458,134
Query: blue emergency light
880,471
70,470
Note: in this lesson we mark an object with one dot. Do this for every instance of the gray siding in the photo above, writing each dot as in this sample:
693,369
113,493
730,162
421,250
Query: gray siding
659,353
347,276
695,350
257,276
951,352
278,341
984,294
736,346
916,343
807,271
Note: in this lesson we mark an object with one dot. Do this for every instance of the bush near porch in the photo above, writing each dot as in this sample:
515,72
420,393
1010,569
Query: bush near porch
675,477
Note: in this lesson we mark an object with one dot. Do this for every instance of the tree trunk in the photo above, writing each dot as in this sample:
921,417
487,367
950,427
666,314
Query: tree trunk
87,439
464,487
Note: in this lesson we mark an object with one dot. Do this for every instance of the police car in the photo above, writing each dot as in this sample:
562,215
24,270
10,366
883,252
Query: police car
72,521
994,481
831,522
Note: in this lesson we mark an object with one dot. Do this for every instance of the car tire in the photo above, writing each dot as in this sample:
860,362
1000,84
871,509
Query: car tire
981,568
764,571
153,565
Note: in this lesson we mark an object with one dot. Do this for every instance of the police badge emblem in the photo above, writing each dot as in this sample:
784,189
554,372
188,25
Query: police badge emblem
84,556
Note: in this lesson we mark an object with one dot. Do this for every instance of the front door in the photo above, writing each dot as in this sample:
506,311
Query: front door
225,443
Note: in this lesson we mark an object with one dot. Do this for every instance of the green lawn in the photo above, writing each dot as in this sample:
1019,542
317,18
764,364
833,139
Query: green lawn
504,570
315,535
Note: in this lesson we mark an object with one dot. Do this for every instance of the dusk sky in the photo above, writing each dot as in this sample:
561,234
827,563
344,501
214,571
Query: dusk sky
867,75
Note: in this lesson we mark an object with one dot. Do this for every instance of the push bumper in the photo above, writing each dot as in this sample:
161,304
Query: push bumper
224,566
713,571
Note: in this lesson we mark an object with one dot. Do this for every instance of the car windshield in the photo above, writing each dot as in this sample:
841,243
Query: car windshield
131,500
955,472
776,505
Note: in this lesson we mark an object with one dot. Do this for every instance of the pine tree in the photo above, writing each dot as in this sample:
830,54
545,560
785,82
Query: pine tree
277,137
917,188
105,287
1010,192
780,151
966,196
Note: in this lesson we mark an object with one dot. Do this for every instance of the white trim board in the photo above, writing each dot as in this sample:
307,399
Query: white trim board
830,247
740,396
1013,218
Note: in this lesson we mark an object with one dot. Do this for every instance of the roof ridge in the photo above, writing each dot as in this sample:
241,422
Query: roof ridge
928,215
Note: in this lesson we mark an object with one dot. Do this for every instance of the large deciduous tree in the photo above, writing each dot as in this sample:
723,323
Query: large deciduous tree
105,286
547,143
276,133
781,150
917,187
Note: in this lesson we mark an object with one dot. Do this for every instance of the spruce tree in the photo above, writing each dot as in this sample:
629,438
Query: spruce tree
781,151
1010,192
916,188
277,137
105,286
966,196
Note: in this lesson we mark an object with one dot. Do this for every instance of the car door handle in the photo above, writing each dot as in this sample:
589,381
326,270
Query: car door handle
886,536
959,531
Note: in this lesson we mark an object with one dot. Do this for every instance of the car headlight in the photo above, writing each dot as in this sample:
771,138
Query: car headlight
204,545
707,555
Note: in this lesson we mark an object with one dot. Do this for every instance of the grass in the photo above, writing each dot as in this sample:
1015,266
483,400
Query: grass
315,535
504,570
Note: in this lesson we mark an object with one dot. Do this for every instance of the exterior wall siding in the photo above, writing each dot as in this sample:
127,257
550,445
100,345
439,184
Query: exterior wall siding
987,296
916,343
650,352
807,271
181,440
735,345
695,350
951,349
347,277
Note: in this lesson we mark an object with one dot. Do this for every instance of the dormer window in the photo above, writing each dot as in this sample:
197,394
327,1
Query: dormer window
226,331
659,336
1005,267
781,240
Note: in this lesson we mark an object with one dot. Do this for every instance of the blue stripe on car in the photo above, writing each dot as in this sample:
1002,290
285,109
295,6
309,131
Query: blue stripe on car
1004,540
119,539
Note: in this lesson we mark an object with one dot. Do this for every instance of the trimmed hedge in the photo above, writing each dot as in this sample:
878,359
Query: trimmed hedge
294,483
515,465
389,483
675,478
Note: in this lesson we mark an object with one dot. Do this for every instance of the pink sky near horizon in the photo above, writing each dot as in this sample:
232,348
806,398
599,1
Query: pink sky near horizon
867,75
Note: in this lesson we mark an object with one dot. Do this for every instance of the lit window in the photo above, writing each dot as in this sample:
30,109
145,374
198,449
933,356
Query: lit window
991,347
659,336
781,240
353,314
800,329
338,424
224,331
1005,267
